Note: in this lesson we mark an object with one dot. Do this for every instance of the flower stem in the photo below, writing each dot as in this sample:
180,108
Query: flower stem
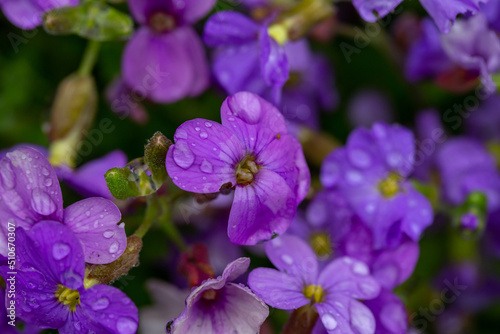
89,57
169,228
151,214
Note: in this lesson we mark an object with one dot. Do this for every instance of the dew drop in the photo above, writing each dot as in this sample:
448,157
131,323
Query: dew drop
114,247
329,321
354,177
96,224
77,325
108,234
87,213
208,124
45,171
231,119
197,129
203,135
60,250
100,304
287,259
42,203
47,182
359,158
7,175
360,268
181,134
125,325
183,156
206,167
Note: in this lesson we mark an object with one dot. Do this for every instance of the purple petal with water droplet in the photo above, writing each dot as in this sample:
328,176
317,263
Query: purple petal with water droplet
94,222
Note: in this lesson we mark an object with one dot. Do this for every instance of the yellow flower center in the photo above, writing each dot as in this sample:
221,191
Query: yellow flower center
389,186
279,33
246,171
321,244
68,297
315,293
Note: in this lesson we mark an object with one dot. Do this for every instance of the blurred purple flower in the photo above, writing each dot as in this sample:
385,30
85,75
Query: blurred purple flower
334,291
219,306
310,86
165,59
371,172
30,194
389,312
442,12
27,14
465,166
124,102
87,180
491,10
247,57
484,123
50,291
251,151
169,301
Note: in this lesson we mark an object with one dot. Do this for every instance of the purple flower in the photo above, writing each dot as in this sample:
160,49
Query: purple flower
442,12
251,151
310,86
466,166
50,292
389,312
332,231
475,47
371,171
27,14
484,123
219,306
88,179
165,59
491,10
334,291
30,193
247,57
125,102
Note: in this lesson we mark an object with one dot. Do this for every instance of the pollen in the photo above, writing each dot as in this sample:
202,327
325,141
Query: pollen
315,293
246,171
279,33
390,186
68,297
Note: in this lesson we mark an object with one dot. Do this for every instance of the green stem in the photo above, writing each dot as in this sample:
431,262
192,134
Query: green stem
169,228
151,214
89,57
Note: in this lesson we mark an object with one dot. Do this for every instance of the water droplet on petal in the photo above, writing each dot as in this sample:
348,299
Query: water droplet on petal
203,135
354,177
287,259
23,156
231,119
197,129
96,224
60,250
368,288
108,234
125,325
360,268
329,321
87,213
42,203
77,325
7,175
180,134
208,124
183,156
47,182
45,171
206,167
359,158
114,247
331,174
100,304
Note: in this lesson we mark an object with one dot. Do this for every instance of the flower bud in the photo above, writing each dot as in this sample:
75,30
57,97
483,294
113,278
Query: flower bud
72,114
155,154
470,217
93,20
108,273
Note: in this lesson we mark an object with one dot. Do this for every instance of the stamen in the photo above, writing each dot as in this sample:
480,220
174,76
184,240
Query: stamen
390,185
246,171
321,244
68,297
315,293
